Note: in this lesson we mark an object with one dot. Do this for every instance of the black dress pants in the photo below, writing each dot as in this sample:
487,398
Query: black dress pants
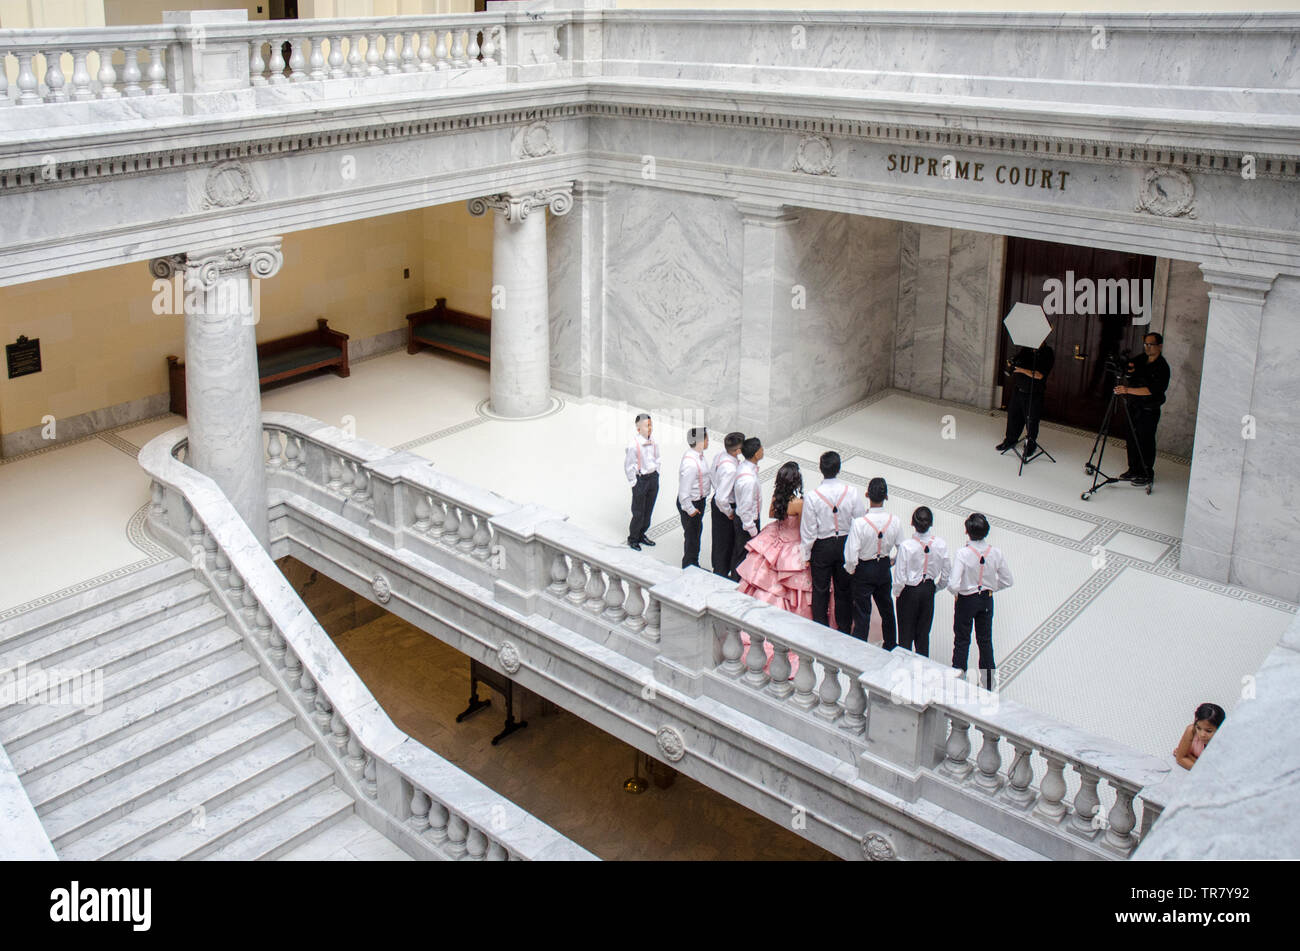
724,541
915,615
644,494
827,565
1023,409
873,581
740,539
693,527
1145,420
977,610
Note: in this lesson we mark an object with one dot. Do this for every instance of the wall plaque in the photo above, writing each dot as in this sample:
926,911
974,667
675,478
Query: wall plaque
23,357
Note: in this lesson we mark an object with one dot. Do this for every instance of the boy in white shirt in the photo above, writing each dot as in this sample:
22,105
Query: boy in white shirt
922,566
872,538
978,570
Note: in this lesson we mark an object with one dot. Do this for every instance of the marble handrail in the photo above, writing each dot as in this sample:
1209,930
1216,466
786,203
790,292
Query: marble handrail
425,800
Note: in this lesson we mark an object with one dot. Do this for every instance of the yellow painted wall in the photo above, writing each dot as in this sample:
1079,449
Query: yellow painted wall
102,345
132,12
34,14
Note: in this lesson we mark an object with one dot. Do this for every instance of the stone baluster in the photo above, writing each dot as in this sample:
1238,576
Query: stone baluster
292,668
475,845
81,91
323,714
457,833
338,733
131,81
497,852
277,63
559,574
1121,819
439,819
482,538
437,515
276,647
956,761
262,626
732,649
829,693
425,54
335,472
392,58
595,602
345,477
256,64
308,688
316,61
297,62
335,60
355,761
805,678
466,531
370,778
423,507
451,526
614,597
1086,801
418,820
989,762
577,580
222,567
472,50
408,54
855,707
779,684
250,605
4,81
356,64
107,75
490,46
360,483
54,79
652,621
1021,774
440,51
292,453
273,450
635,608
755,661
236,586
1051,792
196,528
28,87
458,60
209,549
157,72
156,492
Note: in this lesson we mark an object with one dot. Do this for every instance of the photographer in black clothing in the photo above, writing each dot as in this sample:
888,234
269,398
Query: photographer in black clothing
1148,379
1028,369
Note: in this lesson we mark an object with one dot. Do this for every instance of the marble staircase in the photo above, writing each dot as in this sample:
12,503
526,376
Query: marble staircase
179,748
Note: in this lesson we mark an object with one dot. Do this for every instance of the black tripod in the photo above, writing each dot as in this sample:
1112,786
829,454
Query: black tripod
1030,419
1093,469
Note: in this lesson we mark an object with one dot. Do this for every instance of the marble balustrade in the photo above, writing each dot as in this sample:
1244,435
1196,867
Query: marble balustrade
422,802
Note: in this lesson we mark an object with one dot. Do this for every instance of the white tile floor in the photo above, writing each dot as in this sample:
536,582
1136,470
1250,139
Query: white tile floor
1100,628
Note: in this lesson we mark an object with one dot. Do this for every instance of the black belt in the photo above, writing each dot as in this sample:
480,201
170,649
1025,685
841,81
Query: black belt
982,592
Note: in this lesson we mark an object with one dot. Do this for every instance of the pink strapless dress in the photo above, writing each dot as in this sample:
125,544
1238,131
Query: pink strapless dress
774,572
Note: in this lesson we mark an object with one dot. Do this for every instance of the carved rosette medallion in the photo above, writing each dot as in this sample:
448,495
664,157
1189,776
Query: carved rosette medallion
508,654
515,207
228,185
382,589
671,743
1167,193
815,156
535,140
877,848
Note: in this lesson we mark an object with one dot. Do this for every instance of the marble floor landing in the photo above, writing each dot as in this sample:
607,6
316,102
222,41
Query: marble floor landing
1101,628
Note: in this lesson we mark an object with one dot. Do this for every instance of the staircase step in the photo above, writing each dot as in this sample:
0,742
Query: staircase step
290,829
61,644
72,609
146,756
164,828
134,716
37,721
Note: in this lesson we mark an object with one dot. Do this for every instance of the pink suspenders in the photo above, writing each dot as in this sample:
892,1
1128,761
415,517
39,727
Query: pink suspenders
926,562
699,471
880,534
979,583
639,464
835,509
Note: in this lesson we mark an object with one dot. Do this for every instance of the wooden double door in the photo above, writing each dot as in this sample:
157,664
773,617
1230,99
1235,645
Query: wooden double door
1078,387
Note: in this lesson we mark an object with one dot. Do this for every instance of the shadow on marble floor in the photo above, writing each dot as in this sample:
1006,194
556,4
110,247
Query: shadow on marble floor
560,768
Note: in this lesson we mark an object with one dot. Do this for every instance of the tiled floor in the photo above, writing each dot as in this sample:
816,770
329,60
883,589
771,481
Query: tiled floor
1100,629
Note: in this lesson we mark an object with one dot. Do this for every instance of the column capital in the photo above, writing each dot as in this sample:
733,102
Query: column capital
1242,283
262,258
765,213
515,206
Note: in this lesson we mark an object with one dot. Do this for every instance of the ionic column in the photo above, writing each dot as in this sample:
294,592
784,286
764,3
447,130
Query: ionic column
520,379
766,317
221,378
1237,296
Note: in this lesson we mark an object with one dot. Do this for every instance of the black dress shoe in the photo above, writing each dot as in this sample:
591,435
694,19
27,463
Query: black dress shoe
646,541
1004,445
1141,480
635,546
1030,448
1126,474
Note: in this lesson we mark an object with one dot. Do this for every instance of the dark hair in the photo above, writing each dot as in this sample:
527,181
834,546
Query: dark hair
1160,341
641,416
789,481
977,526
1212,712
877,490
750,447
829,464
922,519
693,436
733,441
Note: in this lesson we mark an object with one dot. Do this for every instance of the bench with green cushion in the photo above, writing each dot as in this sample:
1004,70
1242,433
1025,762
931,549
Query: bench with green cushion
451,330
280,360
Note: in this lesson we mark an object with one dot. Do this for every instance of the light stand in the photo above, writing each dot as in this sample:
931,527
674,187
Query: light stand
1028,327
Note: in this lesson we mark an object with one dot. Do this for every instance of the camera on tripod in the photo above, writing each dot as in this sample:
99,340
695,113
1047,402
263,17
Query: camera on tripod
1117,365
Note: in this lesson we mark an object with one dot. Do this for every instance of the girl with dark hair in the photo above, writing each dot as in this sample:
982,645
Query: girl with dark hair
1205,723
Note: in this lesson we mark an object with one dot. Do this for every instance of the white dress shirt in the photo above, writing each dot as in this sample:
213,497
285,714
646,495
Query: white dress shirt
642,458
692,481
722,476
748,495
915,564
820,520
970,577
872,535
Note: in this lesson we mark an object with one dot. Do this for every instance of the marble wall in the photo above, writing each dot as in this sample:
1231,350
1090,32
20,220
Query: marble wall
1187,307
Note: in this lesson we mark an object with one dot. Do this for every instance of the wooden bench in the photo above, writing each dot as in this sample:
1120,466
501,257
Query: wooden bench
452,330
279,360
